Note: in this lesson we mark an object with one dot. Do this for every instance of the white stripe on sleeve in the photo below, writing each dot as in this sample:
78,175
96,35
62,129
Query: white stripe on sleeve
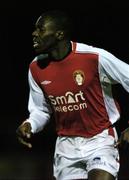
38,107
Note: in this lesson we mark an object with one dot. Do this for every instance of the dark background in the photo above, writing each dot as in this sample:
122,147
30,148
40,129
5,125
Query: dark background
102,24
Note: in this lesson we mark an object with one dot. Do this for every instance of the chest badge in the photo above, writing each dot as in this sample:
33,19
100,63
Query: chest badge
79,77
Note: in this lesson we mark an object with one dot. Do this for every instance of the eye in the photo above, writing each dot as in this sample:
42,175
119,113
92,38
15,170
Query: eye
39,27
42,29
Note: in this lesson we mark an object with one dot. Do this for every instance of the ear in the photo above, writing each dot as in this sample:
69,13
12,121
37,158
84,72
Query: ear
59,35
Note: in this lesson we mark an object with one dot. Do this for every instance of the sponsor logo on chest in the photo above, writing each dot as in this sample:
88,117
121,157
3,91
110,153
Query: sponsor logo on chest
68,102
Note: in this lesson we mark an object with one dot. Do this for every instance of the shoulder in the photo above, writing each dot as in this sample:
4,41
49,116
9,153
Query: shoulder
34,61
41,61
84,48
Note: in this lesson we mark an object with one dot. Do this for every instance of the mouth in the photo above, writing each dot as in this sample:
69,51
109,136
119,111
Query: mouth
35,44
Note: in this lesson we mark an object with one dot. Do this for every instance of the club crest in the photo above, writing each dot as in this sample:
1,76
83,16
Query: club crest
79,77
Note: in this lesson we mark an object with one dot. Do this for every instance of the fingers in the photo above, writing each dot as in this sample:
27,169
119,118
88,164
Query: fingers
117,144
28,135
24,130
22,141
123,141
24,133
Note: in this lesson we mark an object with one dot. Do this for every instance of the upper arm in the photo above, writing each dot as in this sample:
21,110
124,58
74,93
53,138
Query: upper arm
115,69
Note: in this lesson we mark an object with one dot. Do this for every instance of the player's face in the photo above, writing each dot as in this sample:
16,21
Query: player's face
44,36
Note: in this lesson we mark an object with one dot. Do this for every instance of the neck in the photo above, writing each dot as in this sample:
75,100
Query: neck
61,50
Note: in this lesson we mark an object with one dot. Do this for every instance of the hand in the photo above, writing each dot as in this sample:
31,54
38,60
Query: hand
24,133
124,138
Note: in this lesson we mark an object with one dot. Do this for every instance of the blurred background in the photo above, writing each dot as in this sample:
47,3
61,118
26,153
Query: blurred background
102,24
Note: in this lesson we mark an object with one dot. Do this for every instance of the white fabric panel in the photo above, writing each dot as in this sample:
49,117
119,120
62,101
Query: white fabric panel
38,107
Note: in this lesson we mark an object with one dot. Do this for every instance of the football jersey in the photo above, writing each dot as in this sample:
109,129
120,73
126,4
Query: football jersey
77,90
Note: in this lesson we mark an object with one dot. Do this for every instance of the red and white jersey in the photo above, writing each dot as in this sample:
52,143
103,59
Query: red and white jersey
78,90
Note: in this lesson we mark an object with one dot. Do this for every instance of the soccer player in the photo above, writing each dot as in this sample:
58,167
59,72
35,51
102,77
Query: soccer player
73,81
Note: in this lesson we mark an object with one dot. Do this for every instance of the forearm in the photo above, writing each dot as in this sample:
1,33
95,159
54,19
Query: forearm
38,120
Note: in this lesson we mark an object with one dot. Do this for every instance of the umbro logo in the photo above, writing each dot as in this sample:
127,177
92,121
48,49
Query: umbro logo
46,82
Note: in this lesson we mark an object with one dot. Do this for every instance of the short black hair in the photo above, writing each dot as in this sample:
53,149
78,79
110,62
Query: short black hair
61,19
